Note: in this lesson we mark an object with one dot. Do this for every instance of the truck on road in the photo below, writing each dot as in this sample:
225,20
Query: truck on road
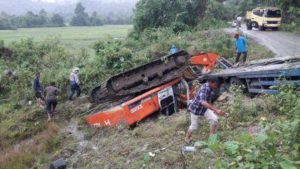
263,17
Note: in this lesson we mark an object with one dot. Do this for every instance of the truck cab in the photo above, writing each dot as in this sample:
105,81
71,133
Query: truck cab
263,17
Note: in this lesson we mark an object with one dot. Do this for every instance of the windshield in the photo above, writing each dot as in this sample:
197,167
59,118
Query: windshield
273,14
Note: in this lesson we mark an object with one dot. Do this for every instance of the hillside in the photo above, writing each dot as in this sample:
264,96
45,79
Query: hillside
257,131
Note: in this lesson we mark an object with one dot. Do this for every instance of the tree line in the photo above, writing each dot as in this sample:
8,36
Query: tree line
30,19
43,19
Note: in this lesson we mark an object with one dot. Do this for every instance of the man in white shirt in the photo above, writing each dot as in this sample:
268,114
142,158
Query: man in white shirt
74,83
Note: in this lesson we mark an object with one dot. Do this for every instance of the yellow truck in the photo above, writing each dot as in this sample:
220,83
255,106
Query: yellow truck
263,17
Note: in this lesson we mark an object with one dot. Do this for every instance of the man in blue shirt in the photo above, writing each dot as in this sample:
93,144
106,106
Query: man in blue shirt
202,106
240,45
173,49
36,86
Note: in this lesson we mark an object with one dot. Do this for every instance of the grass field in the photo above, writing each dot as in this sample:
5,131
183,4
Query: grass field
72,37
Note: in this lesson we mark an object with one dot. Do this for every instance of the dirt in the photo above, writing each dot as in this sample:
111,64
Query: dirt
279,42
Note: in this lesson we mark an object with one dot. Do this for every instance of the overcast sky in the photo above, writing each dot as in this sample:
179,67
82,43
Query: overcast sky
66,7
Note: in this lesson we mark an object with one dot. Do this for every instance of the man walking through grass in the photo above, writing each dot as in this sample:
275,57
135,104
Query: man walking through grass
202,106
37,88
51,100
74,83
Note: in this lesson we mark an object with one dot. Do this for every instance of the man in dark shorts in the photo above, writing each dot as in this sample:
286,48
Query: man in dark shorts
36,85
51,100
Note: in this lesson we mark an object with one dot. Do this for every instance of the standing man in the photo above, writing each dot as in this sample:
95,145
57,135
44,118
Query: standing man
173,49
239,22
202,106
241,47
51,100
36,86
74,83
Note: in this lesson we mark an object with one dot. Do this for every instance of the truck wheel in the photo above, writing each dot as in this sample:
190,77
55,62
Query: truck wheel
249,26
261,28
238,82
254,25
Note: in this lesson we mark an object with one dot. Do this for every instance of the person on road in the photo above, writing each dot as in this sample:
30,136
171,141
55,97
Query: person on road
239,22
74,83
36,86
202,106
240,45
173,49
51,100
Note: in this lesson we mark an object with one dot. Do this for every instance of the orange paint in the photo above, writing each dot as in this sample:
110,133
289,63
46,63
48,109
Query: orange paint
208,60
131,111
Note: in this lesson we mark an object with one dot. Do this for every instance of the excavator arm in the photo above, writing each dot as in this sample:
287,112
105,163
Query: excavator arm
206,60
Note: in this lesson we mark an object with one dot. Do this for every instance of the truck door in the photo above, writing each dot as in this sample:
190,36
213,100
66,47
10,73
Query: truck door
257,17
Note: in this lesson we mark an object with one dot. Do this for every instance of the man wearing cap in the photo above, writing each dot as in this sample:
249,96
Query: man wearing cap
74,83
241,47
201,106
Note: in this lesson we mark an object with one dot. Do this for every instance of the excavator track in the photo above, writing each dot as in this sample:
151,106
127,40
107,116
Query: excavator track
142,78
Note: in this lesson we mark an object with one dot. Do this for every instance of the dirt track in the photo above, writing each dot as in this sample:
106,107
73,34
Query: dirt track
279,42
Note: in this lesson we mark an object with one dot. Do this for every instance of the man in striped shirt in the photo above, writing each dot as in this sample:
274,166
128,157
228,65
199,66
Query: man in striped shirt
201,106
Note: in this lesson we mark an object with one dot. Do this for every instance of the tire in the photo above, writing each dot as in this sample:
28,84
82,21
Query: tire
261,28
249,26
254,25
238,82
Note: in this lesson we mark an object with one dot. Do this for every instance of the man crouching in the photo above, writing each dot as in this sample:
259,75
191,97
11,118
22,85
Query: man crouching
202,106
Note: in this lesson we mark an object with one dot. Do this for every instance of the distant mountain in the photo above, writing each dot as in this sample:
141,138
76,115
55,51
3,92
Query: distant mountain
66,7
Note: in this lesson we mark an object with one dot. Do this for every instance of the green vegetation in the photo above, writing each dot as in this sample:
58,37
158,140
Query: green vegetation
255,133
30,20
262,132
178,15
43,19
54,61
73,38
82,18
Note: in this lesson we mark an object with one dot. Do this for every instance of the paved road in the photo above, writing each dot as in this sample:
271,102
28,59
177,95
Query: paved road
279,42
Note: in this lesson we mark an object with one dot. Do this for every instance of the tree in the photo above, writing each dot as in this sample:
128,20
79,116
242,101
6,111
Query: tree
43,18
157,13
57,20
96,20
81,18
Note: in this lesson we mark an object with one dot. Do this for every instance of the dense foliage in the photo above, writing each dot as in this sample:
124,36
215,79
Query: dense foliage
177,14
82,18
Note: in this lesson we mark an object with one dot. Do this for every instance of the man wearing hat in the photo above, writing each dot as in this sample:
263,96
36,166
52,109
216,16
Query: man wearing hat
240,45
202,106
74,83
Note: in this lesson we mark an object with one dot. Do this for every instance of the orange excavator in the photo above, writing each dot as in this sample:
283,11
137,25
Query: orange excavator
156,86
